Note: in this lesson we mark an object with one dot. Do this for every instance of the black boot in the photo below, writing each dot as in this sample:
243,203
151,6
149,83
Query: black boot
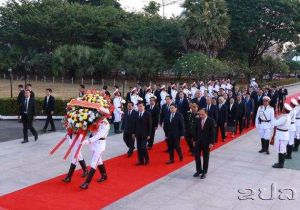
289,150
85,185
280,163
115,127
103,173
70,173
84,168
267,143
296,145
262,141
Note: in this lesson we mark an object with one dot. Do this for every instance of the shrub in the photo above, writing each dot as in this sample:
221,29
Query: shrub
9,106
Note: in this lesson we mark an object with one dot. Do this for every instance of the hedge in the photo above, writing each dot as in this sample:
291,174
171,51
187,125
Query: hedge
281,82
9,106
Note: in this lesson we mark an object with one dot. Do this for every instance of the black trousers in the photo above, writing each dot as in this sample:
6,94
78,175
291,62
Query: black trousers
151,140
189,138
248,120
49,120
141,142
239,124
129,141
27,124
204,150
174,144
221,126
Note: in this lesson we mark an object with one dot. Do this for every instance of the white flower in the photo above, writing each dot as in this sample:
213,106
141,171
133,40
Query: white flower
77,125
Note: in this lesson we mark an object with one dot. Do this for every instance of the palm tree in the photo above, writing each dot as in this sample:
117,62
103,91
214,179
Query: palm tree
207,26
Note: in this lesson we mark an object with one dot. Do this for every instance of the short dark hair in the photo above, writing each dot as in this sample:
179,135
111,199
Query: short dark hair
140,102
203,109
104,87
49,89
130,102
172,104
168,96
20,86
82,86
28,84
153,98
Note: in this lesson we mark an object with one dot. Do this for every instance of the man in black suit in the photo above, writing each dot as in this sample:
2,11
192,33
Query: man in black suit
174,127
142,132
48,109
204,136
21,94
199,100
249,103
29,87
240,113
182,104
27,113
258,101
212,112
222,117
130,117
154,110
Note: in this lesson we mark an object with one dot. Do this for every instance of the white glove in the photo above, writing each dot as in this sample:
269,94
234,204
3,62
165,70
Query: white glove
85,142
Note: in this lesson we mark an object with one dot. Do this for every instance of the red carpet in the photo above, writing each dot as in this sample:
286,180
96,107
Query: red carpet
124,178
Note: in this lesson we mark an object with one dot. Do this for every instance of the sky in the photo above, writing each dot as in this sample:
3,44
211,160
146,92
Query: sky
137,5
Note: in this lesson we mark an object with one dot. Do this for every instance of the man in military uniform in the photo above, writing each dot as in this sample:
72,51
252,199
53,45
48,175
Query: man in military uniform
281,134
97,144
292,129
190,121
264,123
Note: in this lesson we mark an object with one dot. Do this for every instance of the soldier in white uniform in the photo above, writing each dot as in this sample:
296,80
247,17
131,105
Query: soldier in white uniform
174,92
163,94
148,95
253,84
118,101
297,138
193,90
281,134
186,91
292,129
97,144
135,98
74,161
263,122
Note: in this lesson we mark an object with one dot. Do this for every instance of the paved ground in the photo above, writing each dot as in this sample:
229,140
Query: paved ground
235,168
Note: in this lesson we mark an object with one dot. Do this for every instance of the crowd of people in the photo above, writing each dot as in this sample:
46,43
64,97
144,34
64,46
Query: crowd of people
201,113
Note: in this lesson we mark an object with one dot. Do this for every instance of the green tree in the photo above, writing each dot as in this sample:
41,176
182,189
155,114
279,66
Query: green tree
152,8
207,26
270,66
142,62
259,24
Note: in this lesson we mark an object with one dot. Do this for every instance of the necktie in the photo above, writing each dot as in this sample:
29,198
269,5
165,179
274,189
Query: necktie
129,113
26,104
151,107
141,115
172,115
202,123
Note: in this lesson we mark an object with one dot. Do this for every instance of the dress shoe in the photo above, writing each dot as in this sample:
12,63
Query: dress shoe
149,147
36,138
139,164
84,186
44,130
181,158
24,141
203,176
67,179
196,174
129,153
146,162
170,162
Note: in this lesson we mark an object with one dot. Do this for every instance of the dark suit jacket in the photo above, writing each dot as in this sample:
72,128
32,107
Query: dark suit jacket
50,106
21,96
222,114
257,102
129,121
213,112
164,113
154,115
183,107
31,111
32,95
143,125
240,109
176,128
201,103
206,135
232,114
249,105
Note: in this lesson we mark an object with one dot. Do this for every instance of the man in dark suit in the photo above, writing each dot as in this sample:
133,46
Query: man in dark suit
130,117
249,103
204,140
212,112
21,94
222,117
258,101
199,100
142,132
48,109
154,110
29,87
190,121
240,113
174,127
27,113
182,104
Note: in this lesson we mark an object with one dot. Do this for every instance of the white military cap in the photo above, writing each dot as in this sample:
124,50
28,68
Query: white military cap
133,89
294,102
267,98
287,107
163,87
